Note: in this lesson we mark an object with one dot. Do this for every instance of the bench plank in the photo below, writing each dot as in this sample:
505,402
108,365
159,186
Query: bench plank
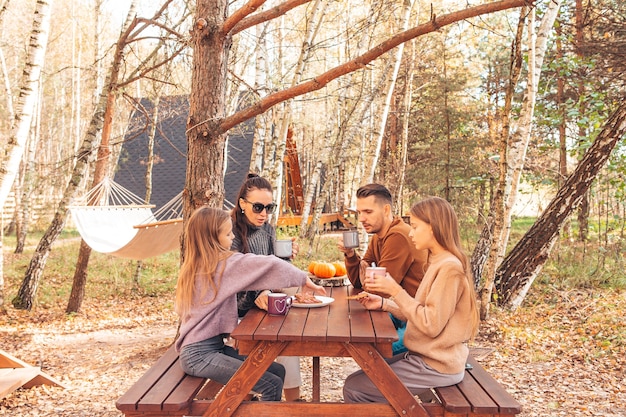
174,391
130,399
453,400
506,403
480,400
165,390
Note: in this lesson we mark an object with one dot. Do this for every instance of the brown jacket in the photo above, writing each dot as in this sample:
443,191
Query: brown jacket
396,252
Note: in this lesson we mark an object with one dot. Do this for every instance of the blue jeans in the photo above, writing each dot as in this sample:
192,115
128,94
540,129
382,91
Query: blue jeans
211,358
398,347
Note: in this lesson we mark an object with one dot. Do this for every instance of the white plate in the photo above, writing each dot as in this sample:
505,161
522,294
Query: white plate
324,302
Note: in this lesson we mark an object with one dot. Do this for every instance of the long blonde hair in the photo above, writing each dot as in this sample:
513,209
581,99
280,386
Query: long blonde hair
202,252
440,215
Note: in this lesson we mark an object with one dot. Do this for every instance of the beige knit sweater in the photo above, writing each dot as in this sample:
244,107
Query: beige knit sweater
439,317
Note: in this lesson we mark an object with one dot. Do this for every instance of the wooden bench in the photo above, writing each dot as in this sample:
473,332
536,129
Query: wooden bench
165,390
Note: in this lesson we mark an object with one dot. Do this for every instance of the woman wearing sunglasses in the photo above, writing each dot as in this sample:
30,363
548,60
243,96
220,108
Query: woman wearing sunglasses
253,234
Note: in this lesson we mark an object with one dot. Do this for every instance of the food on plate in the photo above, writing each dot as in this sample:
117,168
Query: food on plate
302,298
358,296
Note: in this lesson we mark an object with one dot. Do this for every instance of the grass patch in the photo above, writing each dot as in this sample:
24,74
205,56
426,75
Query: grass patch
572,265
108,277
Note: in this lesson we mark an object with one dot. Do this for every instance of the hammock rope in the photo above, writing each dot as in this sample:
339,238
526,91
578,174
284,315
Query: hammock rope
113,220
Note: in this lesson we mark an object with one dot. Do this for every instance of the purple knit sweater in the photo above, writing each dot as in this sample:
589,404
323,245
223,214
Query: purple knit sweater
241,272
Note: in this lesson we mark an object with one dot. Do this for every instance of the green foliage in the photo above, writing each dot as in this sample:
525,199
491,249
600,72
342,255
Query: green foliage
108,277
596,264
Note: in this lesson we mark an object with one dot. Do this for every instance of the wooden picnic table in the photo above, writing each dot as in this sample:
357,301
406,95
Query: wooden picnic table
343,328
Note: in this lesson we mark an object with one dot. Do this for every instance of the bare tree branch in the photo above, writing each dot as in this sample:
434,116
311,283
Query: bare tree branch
270,14
240,14
157,24
146,22
361,61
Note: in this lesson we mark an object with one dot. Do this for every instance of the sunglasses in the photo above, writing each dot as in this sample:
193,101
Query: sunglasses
258,207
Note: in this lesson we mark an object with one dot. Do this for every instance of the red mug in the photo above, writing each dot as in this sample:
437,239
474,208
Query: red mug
278,303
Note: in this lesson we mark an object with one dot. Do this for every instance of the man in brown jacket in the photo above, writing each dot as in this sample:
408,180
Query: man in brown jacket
390,245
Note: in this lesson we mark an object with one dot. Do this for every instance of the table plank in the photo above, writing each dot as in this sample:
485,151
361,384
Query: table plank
361,326
384,328
316,323
293,326
339,316
269,327
246,328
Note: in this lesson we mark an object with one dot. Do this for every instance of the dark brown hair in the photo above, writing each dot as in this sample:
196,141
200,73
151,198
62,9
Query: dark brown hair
240,221
380,193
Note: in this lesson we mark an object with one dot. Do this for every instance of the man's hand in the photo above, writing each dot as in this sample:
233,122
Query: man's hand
349,252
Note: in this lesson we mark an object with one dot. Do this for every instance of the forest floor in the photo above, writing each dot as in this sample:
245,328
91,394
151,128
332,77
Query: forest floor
561,354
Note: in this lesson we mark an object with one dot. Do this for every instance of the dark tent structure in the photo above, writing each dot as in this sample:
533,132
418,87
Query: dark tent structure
170,155
170,152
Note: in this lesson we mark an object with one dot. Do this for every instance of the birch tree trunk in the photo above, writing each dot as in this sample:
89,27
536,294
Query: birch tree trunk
494,226
583,208
520,138
407,5
404,147
11,114
23,208
516,148
560,102
262,123
29,87
520,268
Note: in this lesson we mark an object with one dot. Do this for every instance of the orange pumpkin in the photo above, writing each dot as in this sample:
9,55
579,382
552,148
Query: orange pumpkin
312,267
324,270
340,268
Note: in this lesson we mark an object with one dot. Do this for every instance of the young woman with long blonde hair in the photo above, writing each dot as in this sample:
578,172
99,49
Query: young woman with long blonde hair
206,298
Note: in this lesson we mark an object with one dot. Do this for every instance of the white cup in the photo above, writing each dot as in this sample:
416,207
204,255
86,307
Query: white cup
283,248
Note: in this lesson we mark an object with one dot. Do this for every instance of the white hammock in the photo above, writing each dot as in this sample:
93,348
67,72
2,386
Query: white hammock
113,220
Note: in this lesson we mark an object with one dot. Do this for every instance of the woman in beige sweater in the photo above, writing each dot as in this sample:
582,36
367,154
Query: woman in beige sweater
441,317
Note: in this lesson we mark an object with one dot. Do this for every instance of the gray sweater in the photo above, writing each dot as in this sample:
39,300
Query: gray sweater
241,272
